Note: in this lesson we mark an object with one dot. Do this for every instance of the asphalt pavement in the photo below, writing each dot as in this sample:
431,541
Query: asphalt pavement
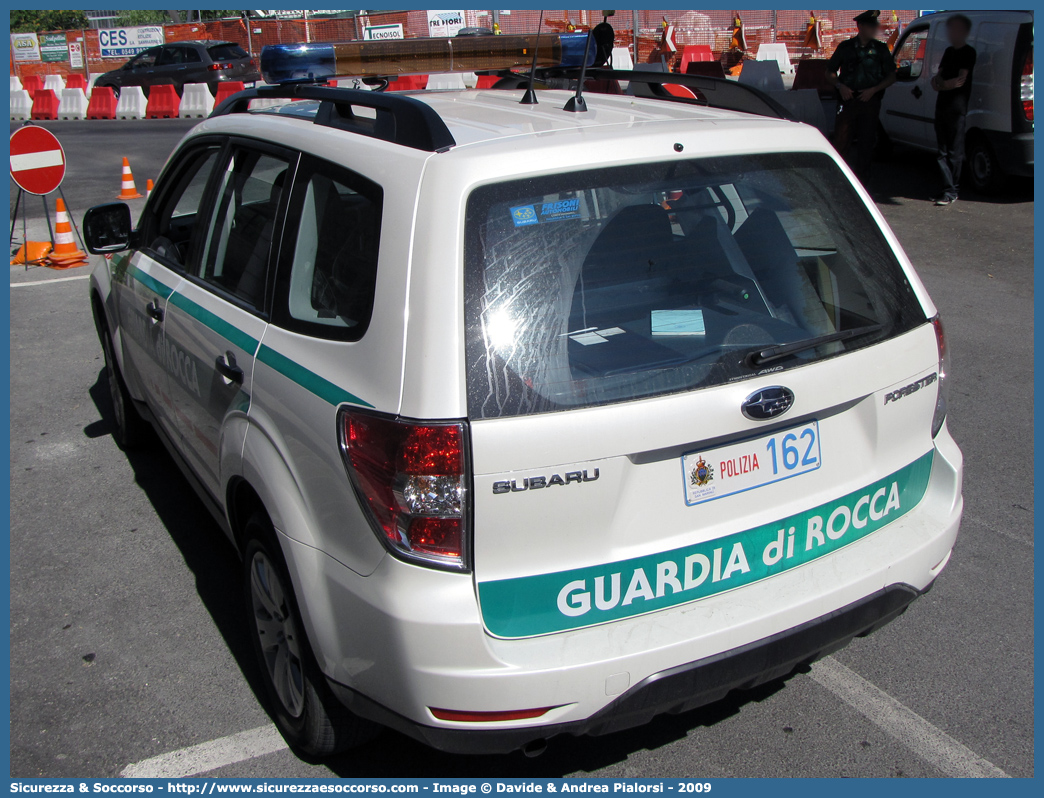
127,626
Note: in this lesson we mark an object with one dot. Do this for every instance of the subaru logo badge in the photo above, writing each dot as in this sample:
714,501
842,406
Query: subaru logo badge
768,403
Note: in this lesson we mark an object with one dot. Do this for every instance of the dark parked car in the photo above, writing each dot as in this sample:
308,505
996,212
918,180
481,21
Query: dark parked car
179,63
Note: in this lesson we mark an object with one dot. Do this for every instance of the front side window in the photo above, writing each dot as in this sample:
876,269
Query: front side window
909,58
146,60
326,286
243,225
616,284
170,233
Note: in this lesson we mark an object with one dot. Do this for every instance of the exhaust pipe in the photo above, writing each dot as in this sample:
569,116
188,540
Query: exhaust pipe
534,748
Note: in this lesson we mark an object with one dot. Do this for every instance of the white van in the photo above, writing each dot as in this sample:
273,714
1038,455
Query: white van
1000,115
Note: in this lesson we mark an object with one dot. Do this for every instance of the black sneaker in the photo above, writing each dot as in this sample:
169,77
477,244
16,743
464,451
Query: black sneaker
945,201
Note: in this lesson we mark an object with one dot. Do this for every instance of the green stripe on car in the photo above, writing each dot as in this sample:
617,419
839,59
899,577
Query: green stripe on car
149,281
546,603
304,377
227,331
307,379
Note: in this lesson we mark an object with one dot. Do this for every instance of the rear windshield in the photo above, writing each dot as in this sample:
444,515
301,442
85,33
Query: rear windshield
226,52
617,284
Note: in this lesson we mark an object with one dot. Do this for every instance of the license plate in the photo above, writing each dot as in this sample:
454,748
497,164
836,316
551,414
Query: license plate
716,473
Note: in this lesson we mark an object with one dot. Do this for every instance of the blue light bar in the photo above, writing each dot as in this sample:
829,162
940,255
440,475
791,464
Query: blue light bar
310,63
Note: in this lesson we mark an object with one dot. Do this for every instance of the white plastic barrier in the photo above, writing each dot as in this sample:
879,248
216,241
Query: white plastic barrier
762,75
622,58
443,82
91,78
804,104
347,83
776,52
55,83
470,79
196,101
73,104
21,105
16,83
132,103
265,102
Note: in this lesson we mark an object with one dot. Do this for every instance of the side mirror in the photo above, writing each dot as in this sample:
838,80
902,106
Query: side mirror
903,72
107,228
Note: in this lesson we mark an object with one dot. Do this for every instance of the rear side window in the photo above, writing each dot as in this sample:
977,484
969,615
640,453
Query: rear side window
178,55
328,274
226,52
617,284
243,225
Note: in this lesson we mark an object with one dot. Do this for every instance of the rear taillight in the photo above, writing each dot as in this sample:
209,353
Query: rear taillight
216,67
1026,86
411,478
944,383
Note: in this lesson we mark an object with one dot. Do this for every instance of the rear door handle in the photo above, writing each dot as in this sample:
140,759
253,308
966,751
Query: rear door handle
228,368
916,92
154,311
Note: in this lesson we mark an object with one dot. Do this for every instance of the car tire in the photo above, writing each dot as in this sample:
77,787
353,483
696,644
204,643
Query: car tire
308,715
115,90
983,169
131,431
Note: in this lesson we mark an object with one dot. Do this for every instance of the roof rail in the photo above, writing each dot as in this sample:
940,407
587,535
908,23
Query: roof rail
400,120
712,92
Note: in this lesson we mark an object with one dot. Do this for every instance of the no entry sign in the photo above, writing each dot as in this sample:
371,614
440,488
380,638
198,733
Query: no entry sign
37,160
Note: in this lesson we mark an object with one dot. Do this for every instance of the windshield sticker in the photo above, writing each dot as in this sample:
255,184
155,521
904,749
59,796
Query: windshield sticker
523,215
558,211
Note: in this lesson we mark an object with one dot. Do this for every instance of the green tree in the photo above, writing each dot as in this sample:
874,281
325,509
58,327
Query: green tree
32,20
129,19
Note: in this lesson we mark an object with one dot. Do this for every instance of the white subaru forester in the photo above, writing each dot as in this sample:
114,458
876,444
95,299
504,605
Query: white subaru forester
529,421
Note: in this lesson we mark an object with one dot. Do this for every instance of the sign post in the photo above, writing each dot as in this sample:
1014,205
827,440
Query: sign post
37,160
37,167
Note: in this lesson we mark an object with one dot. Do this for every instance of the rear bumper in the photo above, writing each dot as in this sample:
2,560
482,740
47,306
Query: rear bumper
405,639
676,690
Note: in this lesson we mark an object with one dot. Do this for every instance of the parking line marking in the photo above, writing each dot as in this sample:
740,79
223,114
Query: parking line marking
903,724
52,280
208,756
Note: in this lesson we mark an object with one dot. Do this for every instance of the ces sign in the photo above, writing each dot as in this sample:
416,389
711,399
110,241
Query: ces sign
125,42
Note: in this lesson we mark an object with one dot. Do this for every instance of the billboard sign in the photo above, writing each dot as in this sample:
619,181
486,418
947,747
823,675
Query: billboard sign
376,32
25,47
53,47
445,23
125,42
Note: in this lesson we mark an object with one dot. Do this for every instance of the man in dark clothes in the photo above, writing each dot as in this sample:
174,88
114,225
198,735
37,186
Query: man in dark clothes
953,82
861,68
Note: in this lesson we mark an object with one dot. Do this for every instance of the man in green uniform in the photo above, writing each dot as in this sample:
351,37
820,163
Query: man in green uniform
861,68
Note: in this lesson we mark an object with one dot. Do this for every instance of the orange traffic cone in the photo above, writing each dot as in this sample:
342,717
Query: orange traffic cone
65,255
148,187
128,190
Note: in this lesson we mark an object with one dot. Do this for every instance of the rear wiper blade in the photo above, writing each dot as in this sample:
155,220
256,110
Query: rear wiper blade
762,356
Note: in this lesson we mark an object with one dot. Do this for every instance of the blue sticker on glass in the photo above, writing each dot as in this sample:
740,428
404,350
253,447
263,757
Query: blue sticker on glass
524,215
557,211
